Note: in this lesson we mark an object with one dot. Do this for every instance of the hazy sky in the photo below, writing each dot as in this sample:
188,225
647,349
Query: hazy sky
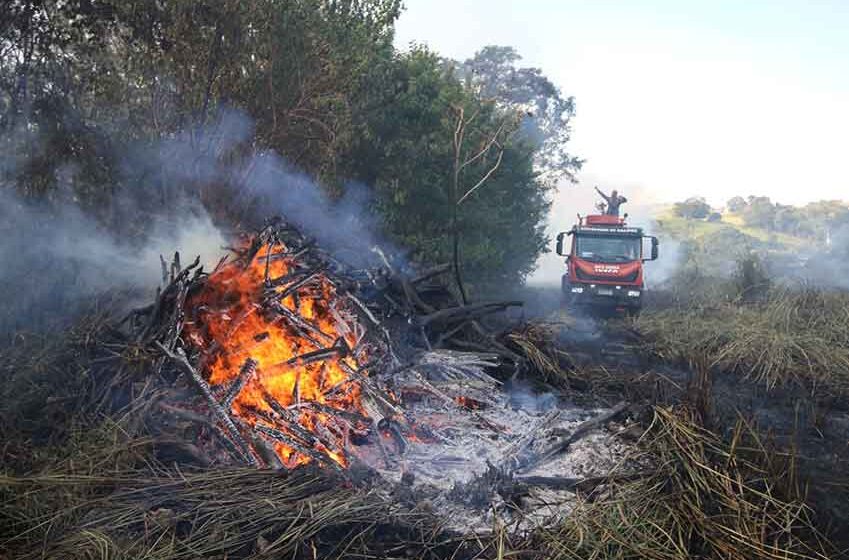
677,98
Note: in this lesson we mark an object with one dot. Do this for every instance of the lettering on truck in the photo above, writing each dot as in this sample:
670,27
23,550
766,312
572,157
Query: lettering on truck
606,269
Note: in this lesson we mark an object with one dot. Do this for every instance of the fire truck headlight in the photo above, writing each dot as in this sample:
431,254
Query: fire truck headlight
577,290
633,293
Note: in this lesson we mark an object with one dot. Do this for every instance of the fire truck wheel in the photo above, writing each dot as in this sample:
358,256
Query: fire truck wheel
565,285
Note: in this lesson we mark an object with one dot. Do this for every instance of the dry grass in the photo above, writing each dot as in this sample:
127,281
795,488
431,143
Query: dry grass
537,341
699,497
50,385
703,498
793,336
227,513
85,484
102,494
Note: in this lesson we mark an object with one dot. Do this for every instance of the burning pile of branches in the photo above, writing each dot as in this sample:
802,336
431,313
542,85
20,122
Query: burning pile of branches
292,355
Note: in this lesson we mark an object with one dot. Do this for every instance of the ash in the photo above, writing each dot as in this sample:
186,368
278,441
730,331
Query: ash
500,455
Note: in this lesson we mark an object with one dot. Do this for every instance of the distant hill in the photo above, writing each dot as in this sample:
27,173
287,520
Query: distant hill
683,229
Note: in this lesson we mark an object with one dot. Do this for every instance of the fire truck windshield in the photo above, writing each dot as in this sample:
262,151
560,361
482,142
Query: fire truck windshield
607,249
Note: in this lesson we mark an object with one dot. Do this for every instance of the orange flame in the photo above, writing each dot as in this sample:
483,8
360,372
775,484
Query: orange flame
298,337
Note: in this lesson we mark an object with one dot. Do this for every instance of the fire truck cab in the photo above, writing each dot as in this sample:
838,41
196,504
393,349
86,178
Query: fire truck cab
604,265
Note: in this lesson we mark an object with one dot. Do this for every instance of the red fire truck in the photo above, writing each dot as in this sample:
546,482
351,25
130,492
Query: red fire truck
604,265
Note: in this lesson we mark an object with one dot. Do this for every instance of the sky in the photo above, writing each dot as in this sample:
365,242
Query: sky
678,98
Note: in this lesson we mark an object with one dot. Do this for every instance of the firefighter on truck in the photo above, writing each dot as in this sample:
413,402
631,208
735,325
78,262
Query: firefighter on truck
613,202
604,264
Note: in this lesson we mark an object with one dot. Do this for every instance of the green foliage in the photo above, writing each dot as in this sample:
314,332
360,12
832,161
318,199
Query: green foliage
545,114
413,200
760,212
813,221
500,225
88,81
736,204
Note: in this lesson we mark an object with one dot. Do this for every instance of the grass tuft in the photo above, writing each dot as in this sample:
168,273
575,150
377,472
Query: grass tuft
797,336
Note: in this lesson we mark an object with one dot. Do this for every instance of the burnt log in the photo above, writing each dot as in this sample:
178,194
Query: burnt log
247,371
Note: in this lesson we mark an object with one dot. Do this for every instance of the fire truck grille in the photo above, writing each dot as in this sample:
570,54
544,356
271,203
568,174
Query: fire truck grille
592,277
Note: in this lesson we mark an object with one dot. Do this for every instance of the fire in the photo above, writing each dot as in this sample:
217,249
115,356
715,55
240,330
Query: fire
281,347
469,403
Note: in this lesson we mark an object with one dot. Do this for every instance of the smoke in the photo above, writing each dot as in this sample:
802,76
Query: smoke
834,259
671,251
343,226
521,396
222,165
824,265
56,259
184,193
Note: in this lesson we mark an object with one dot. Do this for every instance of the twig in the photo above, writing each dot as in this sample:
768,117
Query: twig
247,371
180,359
562,443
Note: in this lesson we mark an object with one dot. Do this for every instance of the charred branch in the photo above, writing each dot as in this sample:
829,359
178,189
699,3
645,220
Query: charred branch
562,443
465,312
222,416
247,371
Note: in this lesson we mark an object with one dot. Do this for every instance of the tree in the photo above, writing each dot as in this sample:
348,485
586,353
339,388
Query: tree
692,208
499,223
102,77
760,212
493,142
103,90
546,123
736,204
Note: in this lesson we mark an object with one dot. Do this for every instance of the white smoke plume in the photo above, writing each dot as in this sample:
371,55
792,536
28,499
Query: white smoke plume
57,258
57,255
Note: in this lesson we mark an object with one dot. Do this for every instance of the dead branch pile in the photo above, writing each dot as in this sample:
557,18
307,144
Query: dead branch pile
355,342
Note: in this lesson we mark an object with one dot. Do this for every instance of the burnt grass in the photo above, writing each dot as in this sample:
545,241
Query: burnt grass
741,467
795,400
800,415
